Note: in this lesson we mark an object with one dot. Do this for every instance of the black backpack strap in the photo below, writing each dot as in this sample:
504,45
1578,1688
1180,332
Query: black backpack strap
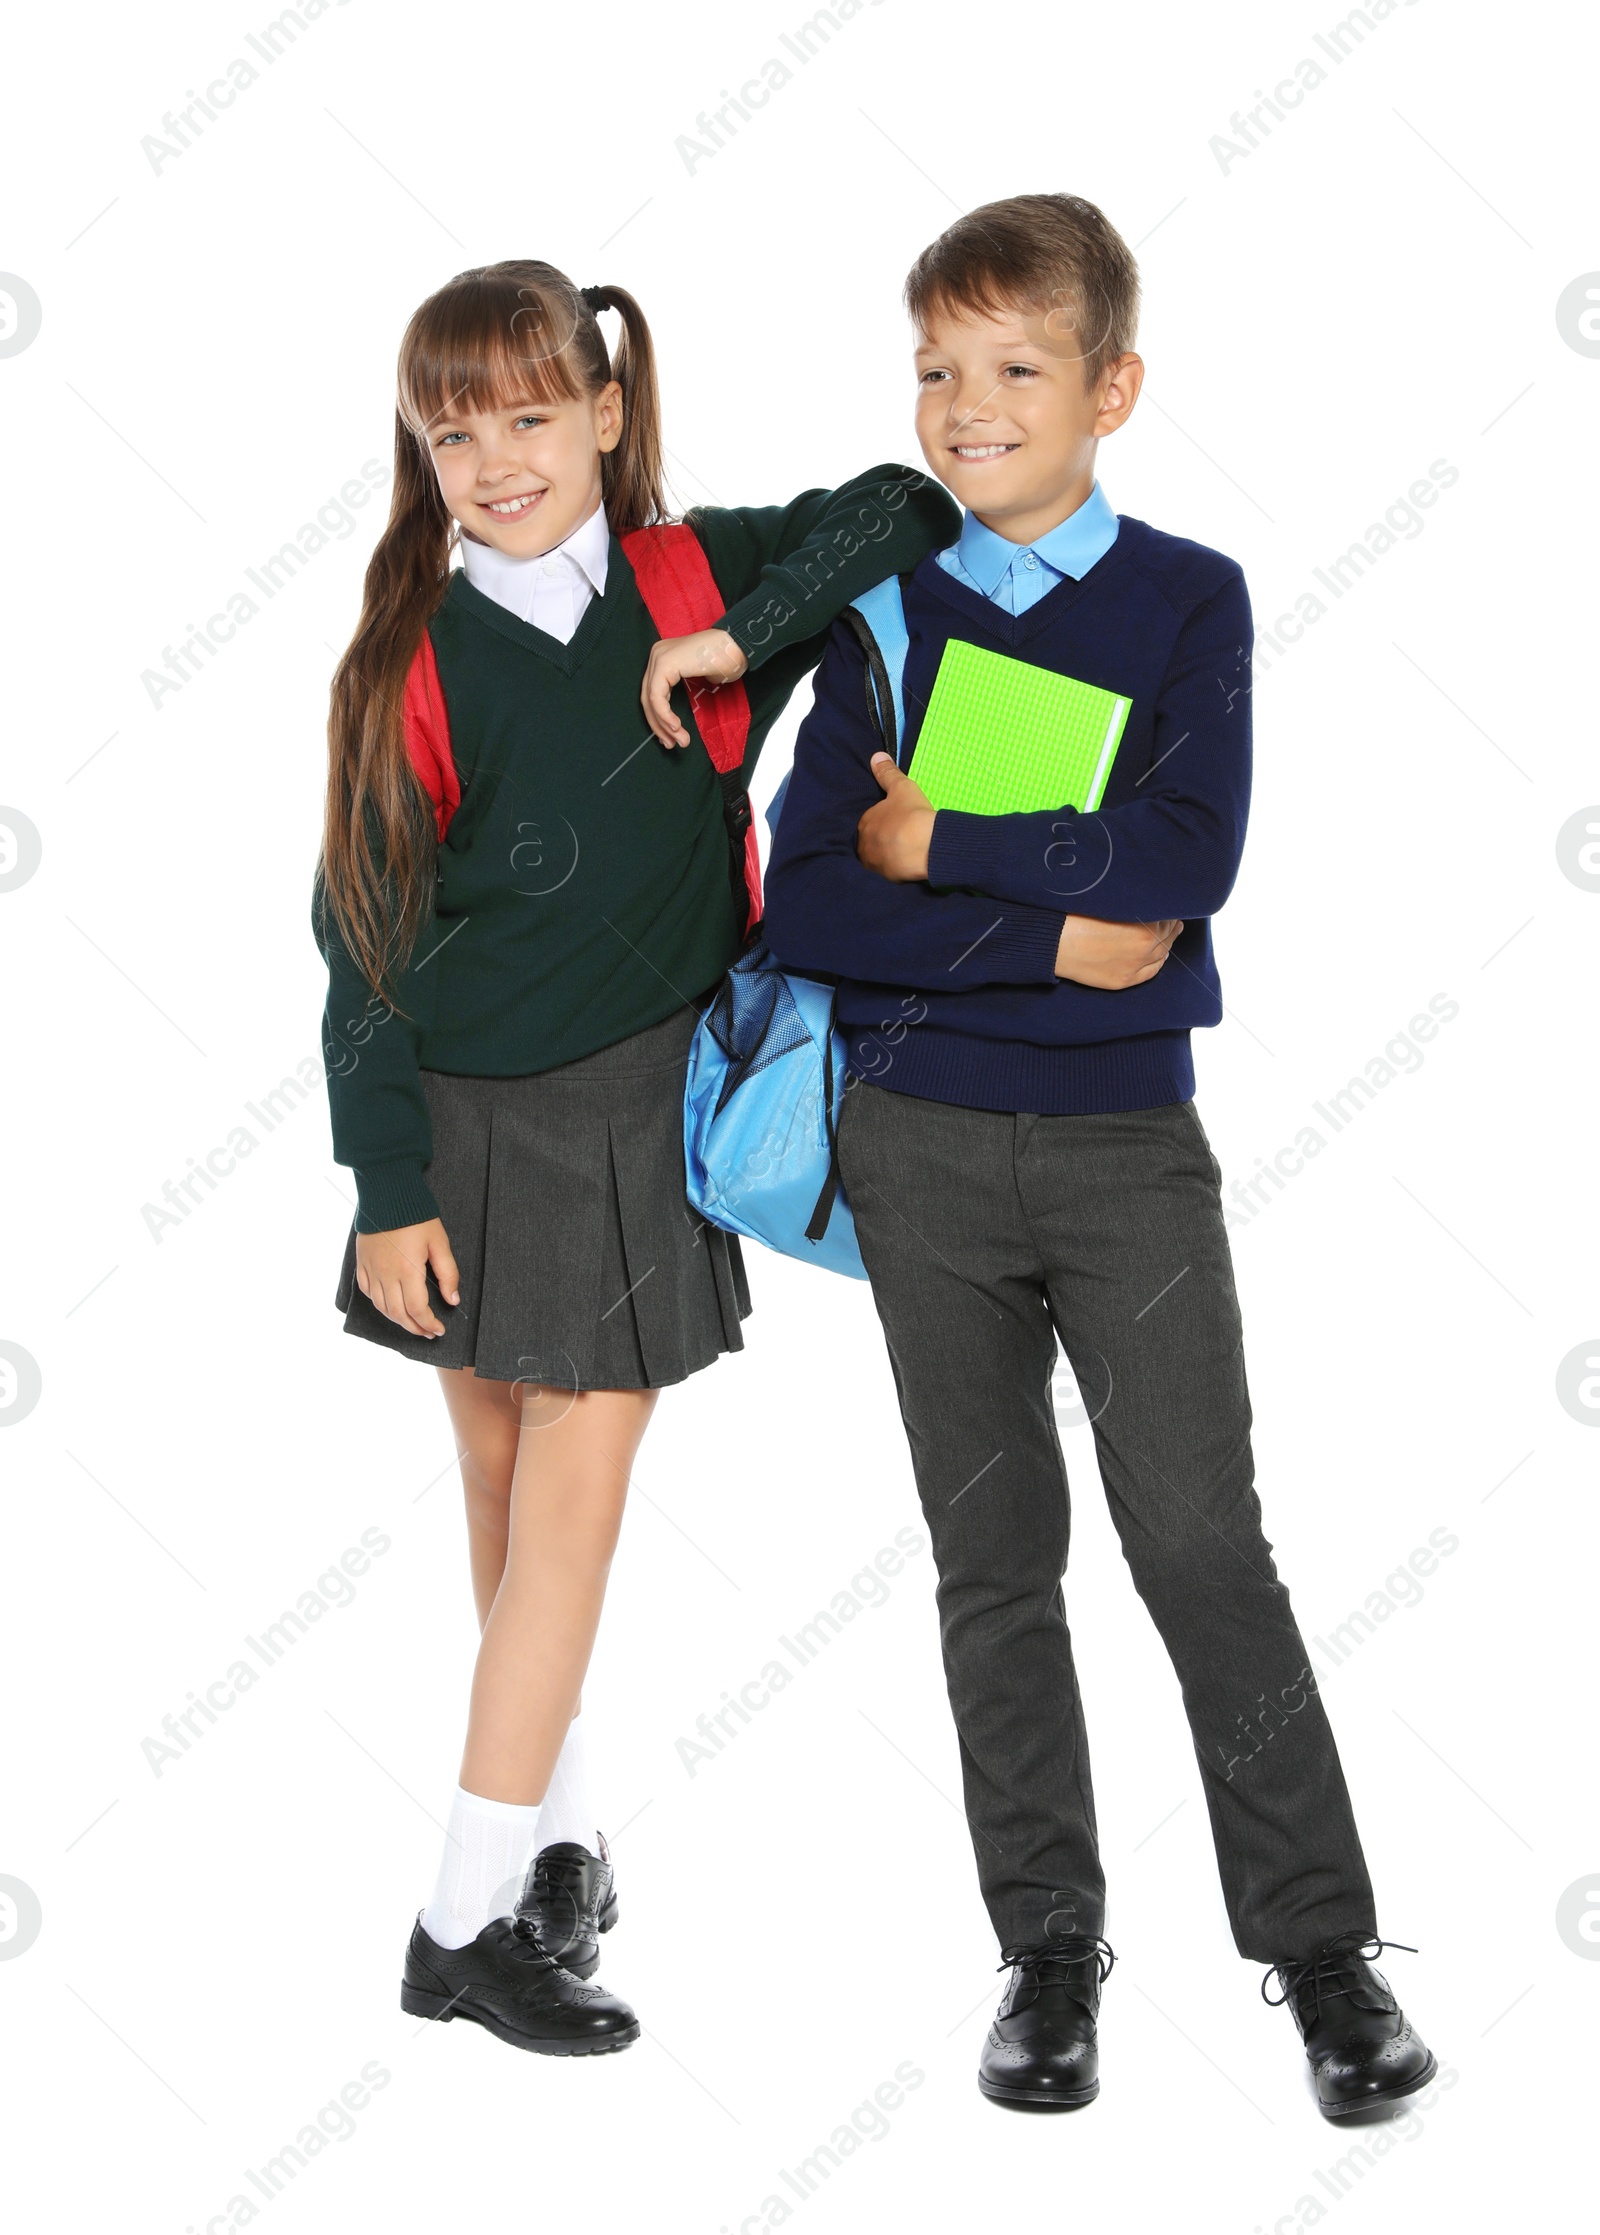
880,693
817,1224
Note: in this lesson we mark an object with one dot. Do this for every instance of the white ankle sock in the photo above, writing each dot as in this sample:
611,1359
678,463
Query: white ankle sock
485,1852
565,1812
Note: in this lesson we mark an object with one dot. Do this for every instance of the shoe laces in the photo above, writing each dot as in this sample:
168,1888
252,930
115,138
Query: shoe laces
1042,1955
1328,1974
520,1941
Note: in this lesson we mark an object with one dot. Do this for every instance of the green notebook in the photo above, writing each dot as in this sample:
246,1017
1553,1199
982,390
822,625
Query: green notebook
1003,738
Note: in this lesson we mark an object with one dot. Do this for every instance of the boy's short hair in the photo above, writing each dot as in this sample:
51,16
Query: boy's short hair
1054,253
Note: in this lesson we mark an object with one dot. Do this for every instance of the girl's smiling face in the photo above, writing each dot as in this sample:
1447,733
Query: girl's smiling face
522,478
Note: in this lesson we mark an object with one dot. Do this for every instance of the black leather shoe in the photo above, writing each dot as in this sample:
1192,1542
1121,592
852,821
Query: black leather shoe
1042,2047
505,1982
1359,2043
569,1897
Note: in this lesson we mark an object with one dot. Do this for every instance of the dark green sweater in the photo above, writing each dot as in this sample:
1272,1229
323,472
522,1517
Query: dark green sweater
584,887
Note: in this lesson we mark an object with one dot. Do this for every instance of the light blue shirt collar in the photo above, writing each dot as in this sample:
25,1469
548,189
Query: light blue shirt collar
1071,547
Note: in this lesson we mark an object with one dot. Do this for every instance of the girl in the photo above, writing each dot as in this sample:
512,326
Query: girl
524,904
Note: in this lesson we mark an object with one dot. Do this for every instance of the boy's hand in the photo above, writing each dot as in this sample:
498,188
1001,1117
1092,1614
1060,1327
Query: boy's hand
893,838
1113,955
392,1270
711,653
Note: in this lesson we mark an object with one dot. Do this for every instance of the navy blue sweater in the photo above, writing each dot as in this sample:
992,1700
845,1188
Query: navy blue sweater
947,989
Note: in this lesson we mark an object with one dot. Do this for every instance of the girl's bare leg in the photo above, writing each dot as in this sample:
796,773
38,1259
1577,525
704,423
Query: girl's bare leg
541,1549
487,1417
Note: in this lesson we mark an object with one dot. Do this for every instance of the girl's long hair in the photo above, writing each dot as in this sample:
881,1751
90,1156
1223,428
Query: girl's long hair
490,338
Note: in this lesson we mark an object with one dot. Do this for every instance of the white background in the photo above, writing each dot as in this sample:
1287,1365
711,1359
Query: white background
1373,288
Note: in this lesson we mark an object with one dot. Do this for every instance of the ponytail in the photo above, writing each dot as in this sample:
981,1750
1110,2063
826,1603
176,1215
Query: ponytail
632,474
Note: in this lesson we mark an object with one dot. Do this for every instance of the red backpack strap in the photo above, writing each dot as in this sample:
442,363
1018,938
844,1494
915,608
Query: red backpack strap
675,580
427,730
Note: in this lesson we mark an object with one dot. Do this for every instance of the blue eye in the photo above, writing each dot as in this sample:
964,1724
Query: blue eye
457,435
530,419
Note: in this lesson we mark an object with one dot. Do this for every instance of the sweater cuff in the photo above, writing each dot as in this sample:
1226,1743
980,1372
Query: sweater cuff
739,618
1021,950
969,851
392,1195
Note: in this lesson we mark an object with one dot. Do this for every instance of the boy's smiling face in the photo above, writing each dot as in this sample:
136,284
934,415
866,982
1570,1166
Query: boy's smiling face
1005,420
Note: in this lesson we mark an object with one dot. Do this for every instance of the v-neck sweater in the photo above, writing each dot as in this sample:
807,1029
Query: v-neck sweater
584,887
947,989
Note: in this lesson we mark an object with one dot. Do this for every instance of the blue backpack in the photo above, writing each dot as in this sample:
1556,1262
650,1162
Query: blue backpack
767,1063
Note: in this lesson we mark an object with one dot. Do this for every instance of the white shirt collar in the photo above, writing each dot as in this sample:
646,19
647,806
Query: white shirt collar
513,582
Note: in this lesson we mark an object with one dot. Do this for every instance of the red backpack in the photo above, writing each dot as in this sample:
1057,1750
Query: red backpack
676,583
681,597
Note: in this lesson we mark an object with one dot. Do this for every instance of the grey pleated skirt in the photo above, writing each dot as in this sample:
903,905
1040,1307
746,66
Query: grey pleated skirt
582,1265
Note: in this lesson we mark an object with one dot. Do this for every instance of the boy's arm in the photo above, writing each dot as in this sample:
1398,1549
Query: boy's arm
827,912
790,570
1172,851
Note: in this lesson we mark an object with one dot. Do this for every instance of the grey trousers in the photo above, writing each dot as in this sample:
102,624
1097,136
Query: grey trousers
987,1235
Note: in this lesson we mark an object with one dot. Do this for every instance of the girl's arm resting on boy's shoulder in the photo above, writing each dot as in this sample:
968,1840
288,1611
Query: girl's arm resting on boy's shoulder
791,569
1174,850
827,911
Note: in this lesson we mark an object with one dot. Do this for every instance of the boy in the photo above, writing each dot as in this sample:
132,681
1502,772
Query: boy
1024,1160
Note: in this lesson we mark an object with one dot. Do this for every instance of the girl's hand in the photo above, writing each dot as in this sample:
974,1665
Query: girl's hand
1113,955
392,1273
893,838
711,653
